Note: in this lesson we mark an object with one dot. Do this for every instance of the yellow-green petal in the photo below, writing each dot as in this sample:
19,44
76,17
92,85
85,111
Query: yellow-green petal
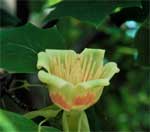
52,80
109,70
60,53
43,61
94,83
96,54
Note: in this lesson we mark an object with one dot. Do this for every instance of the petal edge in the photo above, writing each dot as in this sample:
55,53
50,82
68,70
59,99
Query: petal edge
109,70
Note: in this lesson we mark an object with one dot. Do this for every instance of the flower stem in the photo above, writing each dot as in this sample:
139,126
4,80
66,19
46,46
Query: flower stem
75,121
40,125
25,85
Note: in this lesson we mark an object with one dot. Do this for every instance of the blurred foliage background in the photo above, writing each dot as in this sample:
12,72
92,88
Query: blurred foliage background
121,27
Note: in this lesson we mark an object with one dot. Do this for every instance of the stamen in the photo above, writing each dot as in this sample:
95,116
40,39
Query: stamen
88,69
59,67
50,68
97,73
67,66
78,70
54,65
84,68
91,71
75,70
70,66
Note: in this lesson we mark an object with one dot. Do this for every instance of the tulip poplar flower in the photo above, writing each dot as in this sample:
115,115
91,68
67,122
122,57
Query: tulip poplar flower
75,81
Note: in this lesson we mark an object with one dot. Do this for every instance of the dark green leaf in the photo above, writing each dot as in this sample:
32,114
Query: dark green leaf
36,6
49,129
91,11
91,114
142,43
75,32
6,19
146,5
19,46
125,14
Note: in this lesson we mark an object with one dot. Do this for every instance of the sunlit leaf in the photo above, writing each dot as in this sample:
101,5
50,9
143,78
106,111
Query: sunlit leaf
52,2
11,122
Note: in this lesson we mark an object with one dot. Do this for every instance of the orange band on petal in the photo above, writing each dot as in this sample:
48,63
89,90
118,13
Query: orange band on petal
87,99
58,99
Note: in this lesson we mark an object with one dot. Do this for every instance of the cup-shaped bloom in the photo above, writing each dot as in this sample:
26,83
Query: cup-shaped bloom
75,81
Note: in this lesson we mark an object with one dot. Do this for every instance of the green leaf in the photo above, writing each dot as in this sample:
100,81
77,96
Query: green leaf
36,6
142,43
75,32
19,46
48,112
146,5
50,3
49,129
11,122
88,10
6,19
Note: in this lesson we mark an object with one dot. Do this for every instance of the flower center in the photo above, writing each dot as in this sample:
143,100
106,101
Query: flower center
75,69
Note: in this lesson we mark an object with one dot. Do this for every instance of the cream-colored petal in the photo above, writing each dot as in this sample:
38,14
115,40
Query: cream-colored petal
63,64
43,61
109,70
96,54
60,53
92,60
52,80
94,83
